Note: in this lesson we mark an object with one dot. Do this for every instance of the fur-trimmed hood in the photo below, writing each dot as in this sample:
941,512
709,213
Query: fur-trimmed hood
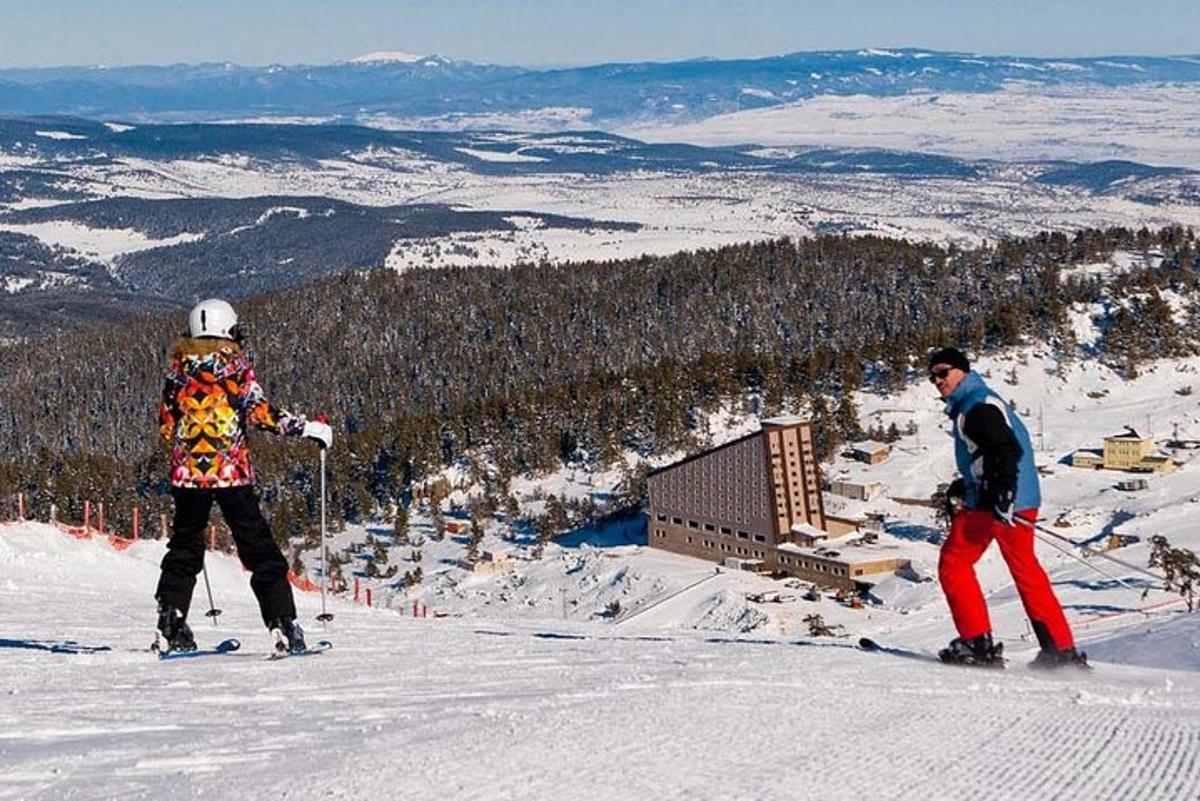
201,346
213,356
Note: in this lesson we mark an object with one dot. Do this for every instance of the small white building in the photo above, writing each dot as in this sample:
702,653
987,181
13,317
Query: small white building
738,563
869,451
807,536
492,561
857,490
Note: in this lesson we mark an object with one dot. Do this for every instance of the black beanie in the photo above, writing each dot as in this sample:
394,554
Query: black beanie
952,357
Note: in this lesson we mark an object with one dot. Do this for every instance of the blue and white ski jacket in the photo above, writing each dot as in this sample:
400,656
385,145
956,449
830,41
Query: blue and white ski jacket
991,446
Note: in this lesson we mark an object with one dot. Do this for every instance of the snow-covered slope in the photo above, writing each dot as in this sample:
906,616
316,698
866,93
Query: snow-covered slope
458,708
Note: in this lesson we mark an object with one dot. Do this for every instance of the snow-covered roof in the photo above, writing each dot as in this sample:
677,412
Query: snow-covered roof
808,530
869,446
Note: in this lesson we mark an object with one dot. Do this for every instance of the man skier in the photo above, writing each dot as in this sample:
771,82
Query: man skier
997,497
210,399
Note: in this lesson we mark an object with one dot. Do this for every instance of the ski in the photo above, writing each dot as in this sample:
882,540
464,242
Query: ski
223,647
871,646
321,647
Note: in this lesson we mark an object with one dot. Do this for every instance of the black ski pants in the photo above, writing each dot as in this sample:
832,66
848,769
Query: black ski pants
255,547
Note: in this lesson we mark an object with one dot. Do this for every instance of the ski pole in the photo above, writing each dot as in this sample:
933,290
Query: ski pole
213,611
1091,551
325,615
1083,561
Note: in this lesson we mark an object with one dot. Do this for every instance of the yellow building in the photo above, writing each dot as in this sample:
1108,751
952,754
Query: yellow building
1126,451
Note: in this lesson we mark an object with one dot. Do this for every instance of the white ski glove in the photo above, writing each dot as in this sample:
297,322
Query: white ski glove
319,432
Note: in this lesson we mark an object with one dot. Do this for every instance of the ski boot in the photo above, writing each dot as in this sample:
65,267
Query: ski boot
978,652
1054,658
289,637
173,633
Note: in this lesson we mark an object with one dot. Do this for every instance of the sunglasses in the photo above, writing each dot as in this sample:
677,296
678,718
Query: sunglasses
938,375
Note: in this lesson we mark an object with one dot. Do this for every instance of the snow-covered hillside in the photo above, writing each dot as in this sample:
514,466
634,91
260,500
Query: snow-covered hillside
1065,406
463,708
529,682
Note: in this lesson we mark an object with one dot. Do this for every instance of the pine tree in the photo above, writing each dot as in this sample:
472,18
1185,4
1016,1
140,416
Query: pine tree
1180,567
439,524
400,526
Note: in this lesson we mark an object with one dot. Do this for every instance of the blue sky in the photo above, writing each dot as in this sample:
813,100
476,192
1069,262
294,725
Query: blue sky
562,32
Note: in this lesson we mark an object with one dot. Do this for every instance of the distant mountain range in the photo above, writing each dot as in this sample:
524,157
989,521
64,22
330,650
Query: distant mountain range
607,95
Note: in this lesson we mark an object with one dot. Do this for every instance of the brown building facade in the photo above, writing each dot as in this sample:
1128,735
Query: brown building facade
740,499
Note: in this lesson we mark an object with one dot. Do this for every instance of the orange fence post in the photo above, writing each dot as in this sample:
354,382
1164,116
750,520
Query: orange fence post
137,524
20,506
87,516
356,589
100,513
368,596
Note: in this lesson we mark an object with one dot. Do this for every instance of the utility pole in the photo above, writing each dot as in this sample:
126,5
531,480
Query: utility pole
1042,428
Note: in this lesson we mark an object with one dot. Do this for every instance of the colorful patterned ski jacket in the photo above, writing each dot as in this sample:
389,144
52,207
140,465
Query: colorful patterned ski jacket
210,399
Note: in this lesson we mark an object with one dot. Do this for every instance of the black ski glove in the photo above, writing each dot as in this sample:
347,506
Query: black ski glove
1001,500
955,493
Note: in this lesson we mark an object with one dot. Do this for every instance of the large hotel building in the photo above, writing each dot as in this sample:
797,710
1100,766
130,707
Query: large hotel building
755,501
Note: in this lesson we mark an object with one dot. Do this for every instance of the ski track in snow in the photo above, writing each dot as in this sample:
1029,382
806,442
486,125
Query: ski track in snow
467,709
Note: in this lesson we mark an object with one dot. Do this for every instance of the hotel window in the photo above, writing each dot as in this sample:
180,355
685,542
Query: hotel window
689,539
693,524
743,535
709,527
759,538
677,521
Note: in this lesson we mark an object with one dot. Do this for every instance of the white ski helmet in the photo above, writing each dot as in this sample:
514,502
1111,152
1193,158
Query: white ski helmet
212,318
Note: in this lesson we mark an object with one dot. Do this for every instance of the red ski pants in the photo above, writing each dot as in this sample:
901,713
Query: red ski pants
971,531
